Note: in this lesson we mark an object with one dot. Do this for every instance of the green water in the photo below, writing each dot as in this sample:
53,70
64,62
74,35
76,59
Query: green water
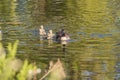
93,25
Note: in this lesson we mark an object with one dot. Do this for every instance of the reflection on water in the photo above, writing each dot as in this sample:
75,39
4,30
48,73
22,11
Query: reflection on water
93,51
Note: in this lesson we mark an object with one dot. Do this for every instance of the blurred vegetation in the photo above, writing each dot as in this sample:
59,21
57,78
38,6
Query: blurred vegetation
12,68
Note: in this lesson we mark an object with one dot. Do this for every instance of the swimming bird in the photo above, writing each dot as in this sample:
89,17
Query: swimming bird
42,31
50,35
60,34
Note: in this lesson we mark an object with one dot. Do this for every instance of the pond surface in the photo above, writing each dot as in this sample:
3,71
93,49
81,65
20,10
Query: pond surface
93,25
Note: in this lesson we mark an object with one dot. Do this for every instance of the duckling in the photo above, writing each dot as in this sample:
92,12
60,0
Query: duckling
42,31
50,35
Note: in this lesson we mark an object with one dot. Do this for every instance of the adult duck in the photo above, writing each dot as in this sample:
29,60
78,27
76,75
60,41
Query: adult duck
60,34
